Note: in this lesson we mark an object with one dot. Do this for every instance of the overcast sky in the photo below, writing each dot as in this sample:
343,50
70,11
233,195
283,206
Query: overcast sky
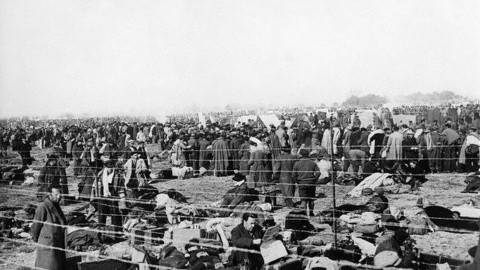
146,56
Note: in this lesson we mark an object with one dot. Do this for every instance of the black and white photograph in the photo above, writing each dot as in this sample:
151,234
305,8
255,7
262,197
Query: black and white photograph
239,135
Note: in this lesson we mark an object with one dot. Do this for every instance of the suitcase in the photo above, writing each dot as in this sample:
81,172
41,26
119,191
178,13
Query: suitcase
147,235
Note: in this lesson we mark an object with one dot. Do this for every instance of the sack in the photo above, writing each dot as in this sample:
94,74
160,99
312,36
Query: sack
472,150
366,228
418,225
346,250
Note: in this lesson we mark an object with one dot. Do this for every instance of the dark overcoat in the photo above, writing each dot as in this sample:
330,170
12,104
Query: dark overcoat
49,236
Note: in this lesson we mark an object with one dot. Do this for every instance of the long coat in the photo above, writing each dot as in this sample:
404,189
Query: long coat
394,146
283,171
244,153
221,154
235,144
258,174
46,232
202,151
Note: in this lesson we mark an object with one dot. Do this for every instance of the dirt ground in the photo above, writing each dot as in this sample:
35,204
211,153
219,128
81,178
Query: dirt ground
441,189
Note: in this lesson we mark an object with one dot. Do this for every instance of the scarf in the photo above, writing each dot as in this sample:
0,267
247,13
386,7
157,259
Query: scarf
106,180
429,142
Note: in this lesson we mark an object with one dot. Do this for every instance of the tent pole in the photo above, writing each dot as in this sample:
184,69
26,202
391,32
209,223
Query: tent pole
334,225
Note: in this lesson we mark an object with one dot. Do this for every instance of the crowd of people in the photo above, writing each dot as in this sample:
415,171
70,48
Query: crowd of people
114,159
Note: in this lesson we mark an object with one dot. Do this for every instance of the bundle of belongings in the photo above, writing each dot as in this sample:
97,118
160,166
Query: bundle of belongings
391,183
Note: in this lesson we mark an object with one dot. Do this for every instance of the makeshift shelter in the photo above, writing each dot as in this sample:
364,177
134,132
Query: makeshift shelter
245,118
201,119
269,119
297,119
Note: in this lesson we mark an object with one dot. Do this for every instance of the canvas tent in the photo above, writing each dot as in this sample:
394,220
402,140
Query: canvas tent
245,118
269,119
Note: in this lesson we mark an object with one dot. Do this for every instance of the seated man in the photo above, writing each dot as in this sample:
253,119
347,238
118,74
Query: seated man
235,196
247,235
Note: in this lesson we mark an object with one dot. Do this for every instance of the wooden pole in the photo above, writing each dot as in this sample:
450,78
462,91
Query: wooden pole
334,225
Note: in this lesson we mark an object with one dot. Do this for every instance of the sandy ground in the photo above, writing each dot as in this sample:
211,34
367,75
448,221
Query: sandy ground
441,189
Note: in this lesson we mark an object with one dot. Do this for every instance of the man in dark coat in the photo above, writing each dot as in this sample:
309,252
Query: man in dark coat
49,232
24,149
305,174
283,171
235,196
247,235
234,148
202,152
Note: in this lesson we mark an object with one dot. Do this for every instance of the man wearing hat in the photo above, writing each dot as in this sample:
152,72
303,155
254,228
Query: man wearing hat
410,147
235,196
305,174
109,188
283,171
90,154
128,150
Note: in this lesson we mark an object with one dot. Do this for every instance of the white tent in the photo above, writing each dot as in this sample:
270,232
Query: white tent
201,119
245,118
269,119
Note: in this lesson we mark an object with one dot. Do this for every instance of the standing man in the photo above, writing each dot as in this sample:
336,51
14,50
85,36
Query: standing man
450,140
283,171
305,174
393,148
49,232
221,155
112,185
24,149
